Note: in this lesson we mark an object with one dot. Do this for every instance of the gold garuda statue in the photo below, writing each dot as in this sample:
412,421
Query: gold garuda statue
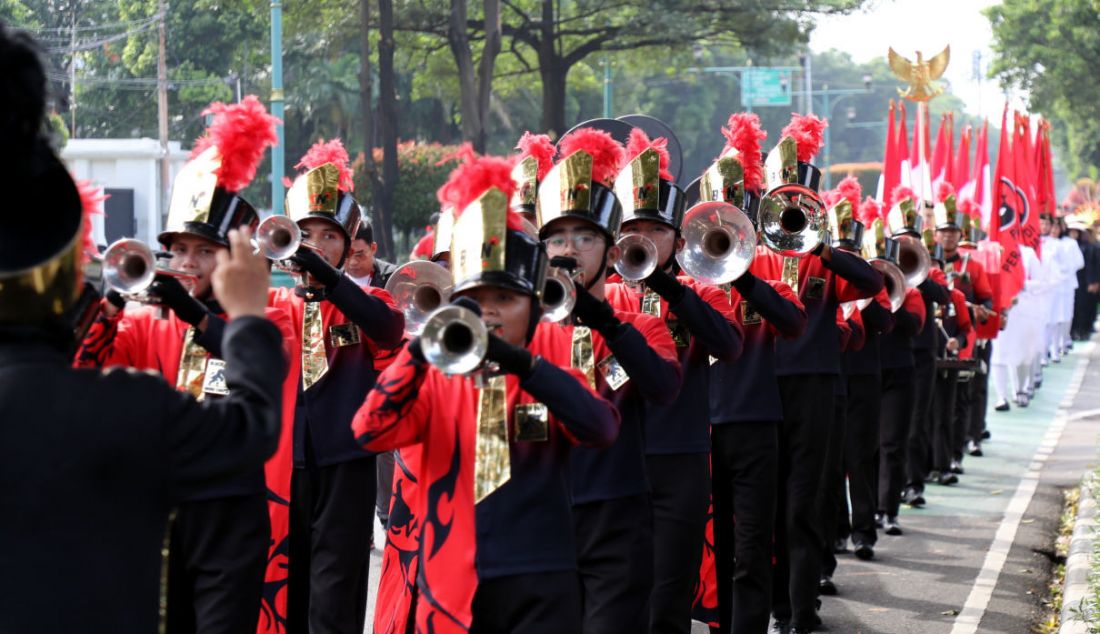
919,74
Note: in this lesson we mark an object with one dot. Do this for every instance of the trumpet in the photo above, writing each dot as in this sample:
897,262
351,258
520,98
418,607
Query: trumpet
278,238
130,267
719,243
913,259
792,220
559,295
454,339
418,288
638,259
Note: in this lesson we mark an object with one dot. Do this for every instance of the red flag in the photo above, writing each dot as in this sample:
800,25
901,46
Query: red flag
949,163
939,155
1024,166
1044,173
960,171
905,177
982,178
891,167
1004,221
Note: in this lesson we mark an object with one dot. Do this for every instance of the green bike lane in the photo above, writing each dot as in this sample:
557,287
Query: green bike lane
977,557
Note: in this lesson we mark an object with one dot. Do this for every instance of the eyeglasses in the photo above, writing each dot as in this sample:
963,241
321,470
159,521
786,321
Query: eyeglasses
583,241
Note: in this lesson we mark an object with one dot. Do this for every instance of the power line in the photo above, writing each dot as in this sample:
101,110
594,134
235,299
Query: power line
79,29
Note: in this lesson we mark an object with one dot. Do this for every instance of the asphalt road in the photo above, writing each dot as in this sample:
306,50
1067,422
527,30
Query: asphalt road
978,557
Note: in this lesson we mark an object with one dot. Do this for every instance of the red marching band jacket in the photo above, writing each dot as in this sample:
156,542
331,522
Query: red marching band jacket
139,339
433,418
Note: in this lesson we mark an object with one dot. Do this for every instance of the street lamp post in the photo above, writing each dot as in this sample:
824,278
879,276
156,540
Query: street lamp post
277,152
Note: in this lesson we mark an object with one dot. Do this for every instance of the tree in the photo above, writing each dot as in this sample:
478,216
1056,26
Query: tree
475,86
1051,48
383,182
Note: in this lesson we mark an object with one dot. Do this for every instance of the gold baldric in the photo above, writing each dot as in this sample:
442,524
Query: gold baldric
583,358
790,273
492,459
314,356
192,371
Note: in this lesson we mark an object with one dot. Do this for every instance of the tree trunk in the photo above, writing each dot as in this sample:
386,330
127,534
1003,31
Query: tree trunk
489,51
553,71
475,84
387,120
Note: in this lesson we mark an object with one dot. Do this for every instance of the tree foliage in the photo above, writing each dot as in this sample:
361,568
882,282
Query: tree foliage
1051,48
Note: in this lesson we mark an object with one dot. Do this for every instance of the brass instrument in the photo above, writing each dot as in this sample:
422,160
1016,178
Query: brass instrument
638,259
130,267
792,220
454,339
419,288
719,243
913,259
559,295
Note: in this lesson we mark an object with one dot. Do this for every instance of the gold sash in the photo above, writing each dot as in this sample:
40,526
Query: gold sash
583,357
192,370
790,273
314,357
492,460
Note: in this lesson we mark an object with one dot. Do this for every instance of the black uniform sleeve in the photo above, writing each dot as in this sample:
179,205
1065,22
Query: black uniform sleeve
205,444
588,418
935,291
211,338
783,315
906,323
877,319
721,339
854,269
381,323
656,378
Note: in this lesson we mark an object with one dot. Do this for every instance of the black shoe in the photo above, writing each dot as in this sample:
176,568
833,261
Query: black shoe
1003,406
864,552
948,478
841,546
911,496
826,586
956,467
781,627
986,435
974,448
879,519
892,527
933,476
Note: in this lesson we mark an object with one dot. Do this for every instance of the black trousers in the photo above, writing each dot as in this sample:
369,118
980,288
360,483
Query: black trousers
385,487
216,561
615,558
536,603
979,392
832,496
943,419
960,422
331,519
744,459
861,454
803,435
918,460
897,414
680,484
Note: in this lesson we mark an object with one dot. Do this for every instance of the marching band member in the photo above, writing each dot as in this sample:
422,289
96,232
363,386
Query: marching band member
745,405
677,435
807,368
985,330
92,461
496,553
631,360
347,335
218,551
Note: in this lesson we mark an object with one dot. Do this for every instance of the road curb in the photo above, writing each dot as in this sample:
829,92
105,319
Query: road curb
1079,561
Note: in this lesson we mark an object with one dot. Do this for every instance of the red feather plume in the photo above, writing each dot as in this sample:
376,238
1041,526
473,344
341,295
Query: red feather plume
970,208
808,133
540,147
91,203
474,177
640,142
830,197
607,153
943,190
464,152
241,132
851,189
868,211
901,192
743,134
330,152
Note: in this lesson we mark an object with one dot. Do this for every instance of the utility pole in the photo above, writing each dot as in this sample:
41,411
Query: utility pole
809,81
72,74
277,152
162,109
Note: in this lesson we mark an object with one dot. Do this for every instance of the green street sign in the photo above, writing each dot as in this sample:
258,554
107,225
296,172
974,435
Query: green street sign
765,87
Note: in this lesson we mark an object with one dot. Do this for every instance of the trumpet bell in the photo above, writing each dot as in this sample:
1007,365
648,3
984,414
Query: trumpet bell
719,243
454,339
419,288
559,295
278,237
129,266
639,257
913,259
792,220
895,282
